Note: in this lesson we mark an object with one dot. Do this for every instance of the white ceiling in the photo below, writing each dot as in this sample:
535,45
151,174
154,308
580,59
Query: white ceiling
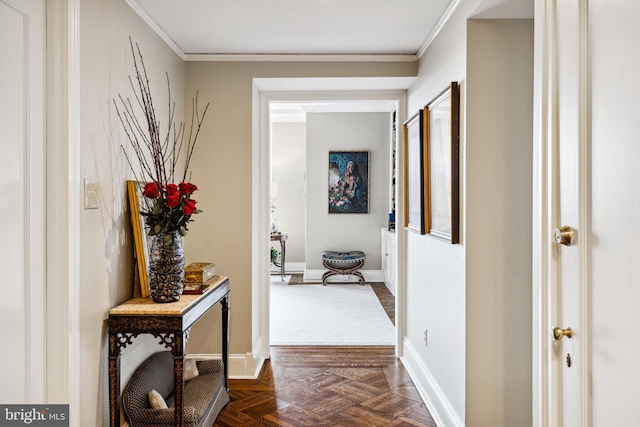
309,27
304,27
223,29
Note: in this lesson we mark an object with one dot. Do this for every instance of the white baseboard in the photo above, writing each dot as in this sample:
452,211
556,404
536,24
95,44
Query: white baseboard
289,268
241,366
294,267
430,392
370,276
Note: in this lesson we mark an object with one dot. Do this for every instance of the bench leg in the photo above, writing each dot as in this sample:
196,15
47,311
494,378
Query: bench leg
360,277
344,271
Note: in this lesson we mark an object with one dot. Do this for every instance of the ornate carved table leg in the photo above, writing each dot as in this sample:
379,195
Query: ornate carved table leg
114,381
177,349
117,342
225,339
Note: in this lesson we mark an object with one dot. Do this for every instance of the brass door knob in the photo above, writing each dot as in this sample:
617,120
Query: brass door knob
563,235
559,333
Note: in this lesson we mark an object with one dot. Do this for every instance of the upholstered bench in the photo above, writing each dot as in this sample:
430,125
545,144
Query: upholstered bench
204,395
343,263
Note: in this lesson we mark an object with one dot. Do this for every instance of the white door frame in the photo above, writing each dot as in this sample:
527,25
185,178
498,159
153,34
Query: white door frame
24,106
63,205
261,167
547,370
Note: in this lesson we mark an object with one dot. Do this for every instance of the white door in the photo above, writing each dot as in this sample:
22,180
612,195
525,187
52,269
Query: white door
615,201
588,168
22,206
567,201
563,227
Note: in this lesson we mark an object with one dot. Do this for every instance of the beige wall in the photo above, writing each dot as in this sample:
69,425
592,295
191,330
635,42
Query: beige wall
499,153
223,170
106,251
469,296
435,270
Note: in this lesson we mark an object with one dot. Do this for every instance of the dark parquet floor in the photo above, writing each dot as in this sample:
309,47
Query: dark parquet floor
387,300
327,386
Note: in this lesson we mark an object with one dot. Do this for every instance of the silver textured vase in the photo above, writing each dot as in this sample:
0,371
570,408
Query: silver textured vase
166,267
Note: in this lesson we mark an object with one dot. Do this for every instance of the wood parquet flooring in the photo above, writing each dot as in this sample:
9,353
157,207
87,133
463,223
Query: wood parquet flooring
327,386
387,300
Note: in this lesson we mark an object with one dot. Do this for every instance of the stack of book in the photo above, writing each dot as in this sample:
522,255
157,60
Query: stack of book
198,276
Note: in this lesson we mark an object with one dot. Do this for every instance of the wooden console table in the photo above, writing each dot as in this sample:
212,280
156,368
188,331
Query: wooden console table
170,323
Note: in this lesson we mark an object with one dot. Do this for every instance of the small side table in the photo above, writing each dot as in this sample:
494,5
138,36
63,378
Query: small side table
282,238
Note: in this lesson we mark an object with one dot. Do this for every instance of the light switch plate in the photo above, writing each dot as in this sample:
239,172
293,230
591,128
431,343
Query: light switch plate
91,189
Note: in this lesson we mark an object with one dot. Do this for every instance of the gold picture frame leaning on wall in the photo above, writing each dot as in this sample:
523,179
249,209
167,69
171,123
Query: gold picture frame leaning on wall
416,181
141,239
442,137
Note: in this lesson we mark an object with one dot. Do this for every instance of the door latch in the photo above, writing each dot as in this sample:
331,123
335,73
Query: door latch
564,235
558,333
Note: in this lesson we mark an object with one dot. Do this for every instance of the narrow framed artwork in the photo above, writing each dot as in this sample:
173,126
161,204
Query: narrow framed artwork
349,182
443,142
416,184
141,239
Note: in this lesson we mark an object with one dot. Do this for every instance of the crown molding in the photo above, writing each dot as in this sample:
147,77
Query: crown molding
152,24
441,23
298,58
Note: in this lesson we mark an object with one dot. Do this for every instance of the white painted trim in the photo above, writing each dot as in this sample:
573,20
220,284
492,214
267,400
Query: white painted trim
584,212
34,204
155,27
315,276
218,57
260,183
294,267
261,172
74,196
63,205
310,90
289,268
258,356
434,398
540,227
547,407
241,366
400,234
438,27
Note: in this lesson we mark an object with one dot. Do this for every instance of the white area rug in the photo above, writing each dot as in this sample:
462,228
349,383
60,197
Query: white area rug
337,314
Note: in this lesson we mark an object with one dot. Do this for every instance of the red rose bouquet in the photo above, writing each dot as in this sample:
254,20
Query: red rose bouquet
170,207
167,206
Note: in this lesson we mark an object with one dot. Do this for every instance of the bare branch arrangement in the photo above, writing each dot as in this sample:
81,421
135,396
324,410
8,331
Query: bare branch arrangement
158,153
163,151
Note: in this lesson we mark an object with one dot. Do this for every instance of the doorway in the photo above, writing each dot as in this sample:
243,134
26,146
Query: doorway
262,148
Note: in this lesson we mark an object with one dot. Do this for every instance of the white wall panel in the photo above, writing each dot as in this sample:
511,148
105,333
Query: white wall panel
22,204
